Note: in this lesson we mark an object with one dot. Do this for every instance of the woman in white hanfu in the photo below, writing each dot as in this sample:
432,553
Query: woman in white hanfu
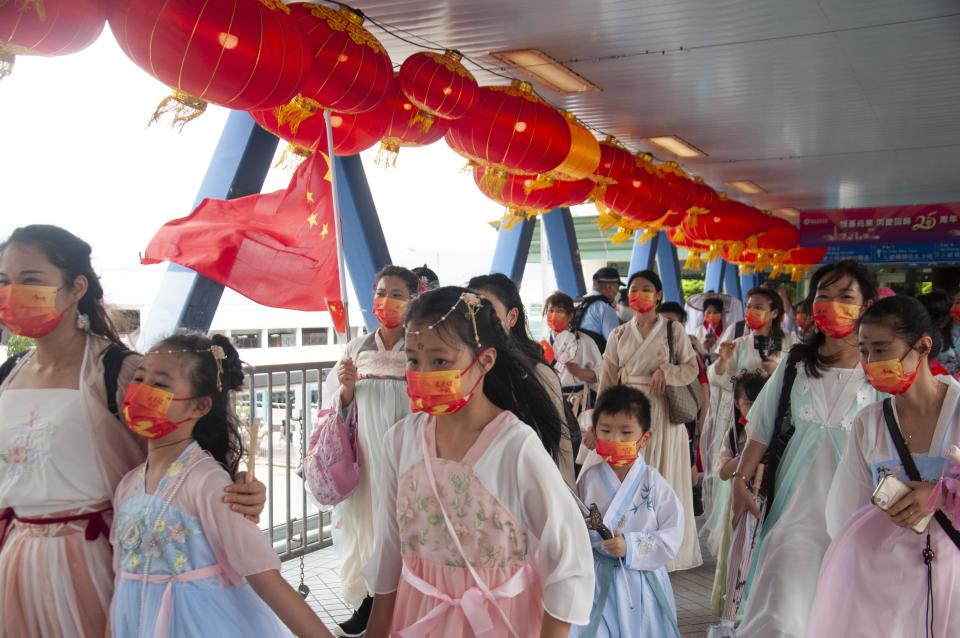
874,580
829,389
637,355
749,353
369,378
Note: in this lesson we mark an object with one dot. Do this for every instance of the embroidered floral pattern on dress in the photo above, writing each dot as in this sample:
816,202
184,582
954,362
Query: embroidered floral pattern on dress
489,534
646,496
806,412
644,542
803,387
28,451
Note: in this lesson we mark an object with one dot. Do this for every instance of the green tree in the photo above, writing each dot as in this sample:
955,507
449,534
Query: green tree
17,344
691,287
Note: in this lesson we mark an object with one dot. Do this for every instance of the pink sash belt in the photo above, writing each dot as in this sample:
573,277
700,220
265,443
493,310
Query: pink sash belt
472,604
162,628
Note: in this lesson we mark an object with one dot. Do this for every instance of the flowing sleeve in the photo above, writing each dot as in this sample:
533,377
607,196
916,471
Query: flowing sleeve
551,515
686,371
763,414
331,387
651,550
724,381
591,357
239,545
382,571
610,370
852,484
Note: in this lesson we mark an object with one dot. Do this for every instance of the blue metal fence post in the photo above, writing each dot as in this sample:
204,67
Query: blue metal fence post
564,251
364,246
713,280
186,299
669,266
513,248
644,254
731,280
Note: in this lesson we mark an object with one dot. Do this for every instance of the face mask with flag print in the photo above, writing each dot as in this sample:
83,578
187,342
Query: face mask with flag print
389,311
836,320
642,302
145,410
30,311
889,376
558,321
756,318
617,453
439,392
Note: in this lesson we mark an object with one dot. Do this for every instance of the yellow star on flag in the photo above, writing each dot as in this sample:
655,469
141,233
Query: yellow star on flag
329,175
309,197
324,231
312,221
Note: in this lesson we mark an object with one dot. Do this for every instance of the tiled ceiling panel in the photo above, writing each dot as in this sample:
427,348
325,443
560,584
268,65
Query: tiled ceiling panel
821,102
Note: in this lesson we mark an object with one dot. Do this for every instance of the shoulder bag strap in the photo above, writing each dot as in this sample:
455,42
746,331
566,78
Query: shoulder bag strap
910,467
670,342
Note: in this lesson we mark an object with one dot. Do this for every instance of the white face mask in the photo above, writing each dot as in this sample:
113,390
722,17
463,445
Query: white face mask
626,313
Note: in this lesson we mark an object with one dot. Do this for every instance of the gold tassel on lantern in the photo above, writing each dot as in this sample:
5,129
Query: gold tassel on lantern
296,112
693,261
493,182
292,156
736,249
622,235
647,236
715,252
387,155
511,218
425,120
182,106
541,182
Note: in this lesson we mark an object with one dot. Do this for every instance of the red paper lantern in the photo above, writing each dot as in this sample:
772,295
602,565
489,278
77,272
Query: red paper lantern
242,54
47,27
439,85
352,132
616,162
695,250
405,128
638,200
729,223
799,261
511,130
583,158
527,195
351,71
778,236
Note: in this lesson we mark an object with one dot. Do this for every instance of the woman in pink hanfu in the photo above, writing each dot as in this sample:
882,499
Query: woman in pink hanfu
477,532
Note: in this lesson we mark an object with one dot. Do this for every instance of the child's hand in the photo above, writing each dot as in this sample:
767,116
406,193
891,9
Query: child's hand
616,546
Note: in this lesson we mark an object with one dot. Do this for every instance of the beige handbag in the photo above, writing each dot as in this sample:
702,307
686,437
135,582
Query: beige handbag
683,402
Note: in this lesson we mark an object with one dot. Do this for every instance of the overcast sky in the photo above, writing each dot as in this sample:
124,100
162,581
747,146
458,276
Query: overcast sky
75,151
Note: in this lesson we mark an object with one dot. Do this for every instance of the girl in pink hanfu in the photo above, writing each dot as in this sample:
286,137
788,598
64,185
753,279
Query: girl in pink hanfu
874,579
185,565
477,534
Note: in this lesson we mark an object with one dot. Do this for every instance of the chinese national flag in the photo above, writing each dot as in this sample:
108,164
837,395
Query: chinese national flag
279,249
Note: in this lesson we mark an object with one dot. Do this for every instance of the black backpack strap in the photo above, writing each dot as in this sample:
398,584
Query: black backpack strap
113,358
9,365
738,329
910,467
780,437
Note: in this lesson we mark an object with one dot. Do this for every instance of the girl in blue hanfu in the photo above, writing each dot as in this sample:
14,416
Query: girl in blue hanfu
633,596
185,566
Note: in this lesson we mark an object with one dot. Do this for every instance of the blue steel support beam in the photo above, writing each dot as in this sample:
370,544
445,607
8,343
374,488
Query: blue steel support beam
713,280
186,299
731,280
669,266
564,251
513,247
746,283
364,246
644,254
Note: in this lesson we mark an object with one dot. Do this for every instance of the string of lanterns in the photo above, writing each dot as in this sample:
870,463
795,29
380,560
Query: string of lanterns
286,63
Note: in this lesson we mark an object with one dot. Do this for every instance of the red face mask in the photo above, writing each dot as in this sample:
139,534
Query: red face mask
955,312
642,302
617,454
439,392
145,411
29,311
712,318
889,376
558,321
756,318
389,311
836,320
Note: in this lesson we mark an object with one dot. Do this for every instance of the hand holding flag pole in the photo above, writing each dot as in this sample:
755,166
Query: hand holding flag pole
343,338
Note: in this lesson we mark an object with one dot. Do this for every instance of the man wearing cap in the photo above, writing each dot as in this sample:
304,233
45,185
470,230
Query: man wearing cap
600,317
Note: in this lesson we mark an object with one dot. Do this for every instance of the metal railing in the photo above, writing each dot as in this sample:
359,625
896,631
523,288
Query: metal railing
285,400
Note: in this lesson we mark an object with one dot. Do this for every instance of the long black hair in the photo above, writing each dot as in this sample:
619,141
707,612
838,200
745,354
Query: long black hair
71,255
938,305
907,317
776,303
218,431
511,384
504,289
814,362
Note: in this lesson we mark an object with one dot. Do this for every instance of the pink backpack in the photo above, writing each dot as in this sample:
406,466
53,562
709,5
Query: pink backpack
331,465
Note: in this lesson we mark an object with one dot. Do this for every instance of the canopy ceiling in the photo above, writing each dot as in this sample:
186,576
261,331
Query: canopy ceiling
823,103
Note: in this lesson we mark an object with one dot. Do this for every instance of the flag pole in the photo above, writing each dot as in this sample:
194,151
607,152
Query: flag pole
344,338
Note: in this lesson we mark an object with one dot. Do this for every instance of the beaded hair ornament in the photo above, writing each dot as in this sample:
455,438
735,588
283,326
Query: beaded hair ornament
471,302
218,356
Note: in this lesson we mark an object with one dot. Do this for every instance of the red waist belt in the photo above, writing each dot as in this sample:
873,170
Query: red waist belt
96,525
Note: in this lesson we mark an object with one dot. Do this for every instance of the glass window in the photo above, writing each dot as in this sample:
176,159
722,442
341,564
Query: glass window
246,339
281,338
316,336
